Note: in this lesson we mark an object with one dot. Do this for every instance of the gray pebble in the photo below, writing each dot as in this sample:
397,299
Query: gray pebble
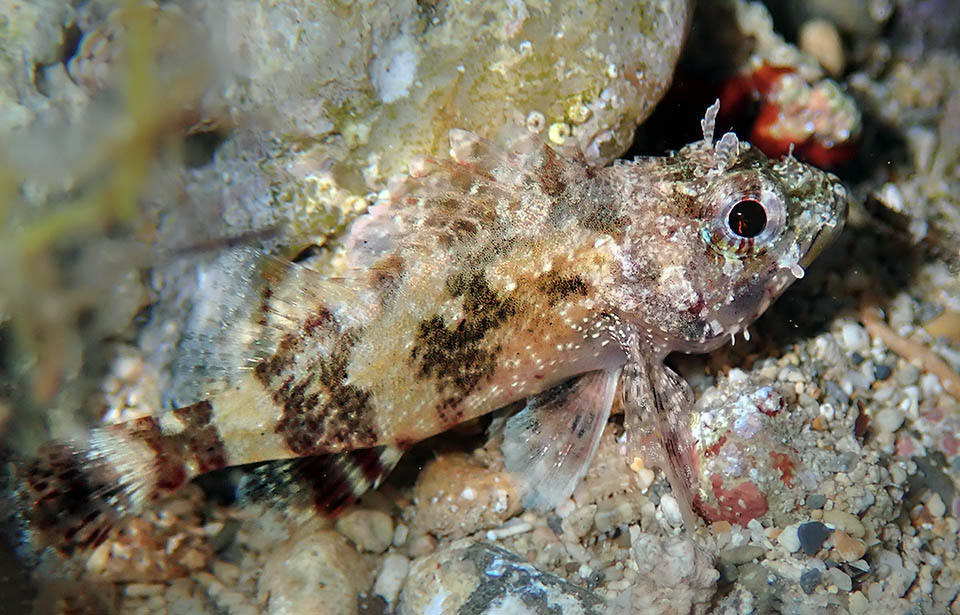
908,375
848,461
728,573
889,420
881,371
812,535
835,391
809,580
741,554
815,501
934,478
927,311
553,522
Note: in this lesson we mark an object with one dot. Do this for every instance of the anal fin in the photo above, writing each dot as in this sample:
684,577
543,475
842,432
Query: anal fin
330,483
550,443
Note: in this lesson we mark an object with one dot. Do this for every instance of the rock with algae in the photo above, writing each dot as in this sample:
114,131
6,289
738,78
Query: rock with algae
352,90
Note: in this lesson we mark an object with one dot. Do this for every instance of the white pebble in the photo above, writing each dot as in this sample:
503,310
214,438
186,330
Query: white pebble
645,478
509,530
391,577
671,509
400,534
821,39
936,506
788,539
371,530
889,420
855,337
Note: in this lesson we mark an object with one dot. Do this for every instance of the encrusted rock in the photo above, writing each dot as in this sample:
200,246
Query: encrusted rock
458,497
676,577
480,579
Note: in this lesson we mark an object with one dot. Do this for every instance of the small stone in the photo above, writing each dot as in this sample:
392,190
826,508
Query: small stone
837,577
469,577
371,530
936,506
809,580
671,510
855,337
881,371
392,575
457,496
889,420
858,604
789,540
844,521
421,545
812,536
400,534
856,358
314,572
815,501
820,38
580,521
850,549
674,575
741,555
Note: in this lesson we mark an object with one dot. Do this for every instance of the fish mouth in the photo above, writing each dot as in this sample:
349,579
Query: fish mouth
820,241
826,234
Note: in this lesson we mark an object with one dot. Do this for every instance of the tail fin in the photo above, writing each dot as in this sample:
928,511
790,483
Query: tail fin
71,495
69,498
329,483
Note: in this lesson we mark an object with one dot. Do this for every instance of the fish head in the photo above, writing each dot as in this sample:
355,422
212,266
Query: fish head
714,234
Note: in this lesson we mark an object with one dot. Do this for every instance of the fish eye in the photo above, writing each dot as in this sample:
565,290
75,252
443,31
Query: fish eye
747,218
745,214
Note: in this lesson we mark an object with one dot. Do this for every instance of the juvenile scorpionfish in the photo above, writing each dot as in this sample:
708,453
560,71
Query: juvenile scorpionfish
491,277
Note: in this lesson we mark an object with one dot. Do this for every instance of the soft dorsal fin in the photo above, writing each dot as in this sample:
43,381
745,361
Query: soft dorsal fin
246,303
550,443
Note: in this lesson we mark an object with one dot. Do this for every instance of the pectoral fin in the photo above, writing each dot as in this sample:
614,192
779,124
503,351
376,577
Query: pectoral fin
550,443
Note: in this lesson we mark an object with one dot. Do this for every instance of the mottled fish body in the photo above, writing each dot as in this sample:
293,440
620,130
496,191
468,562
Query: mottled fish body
487,278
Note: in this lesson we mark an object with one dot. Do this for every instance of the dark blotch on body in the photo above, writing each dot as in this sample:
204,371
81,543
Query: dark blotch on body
322,412
558,287
459,357
201,437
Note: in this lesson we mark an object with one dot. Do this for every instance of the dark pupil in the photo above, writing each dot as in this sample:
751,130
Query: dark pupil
747,218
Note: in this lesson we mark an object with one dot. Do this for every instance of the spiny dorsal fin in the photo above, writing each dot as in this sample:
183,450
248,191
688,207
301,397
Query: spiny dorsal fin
246,303
484,189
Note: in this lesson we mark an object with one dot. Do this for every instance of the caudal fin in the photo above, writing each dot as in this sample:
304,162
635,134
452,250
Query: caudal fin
70,495
70,498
